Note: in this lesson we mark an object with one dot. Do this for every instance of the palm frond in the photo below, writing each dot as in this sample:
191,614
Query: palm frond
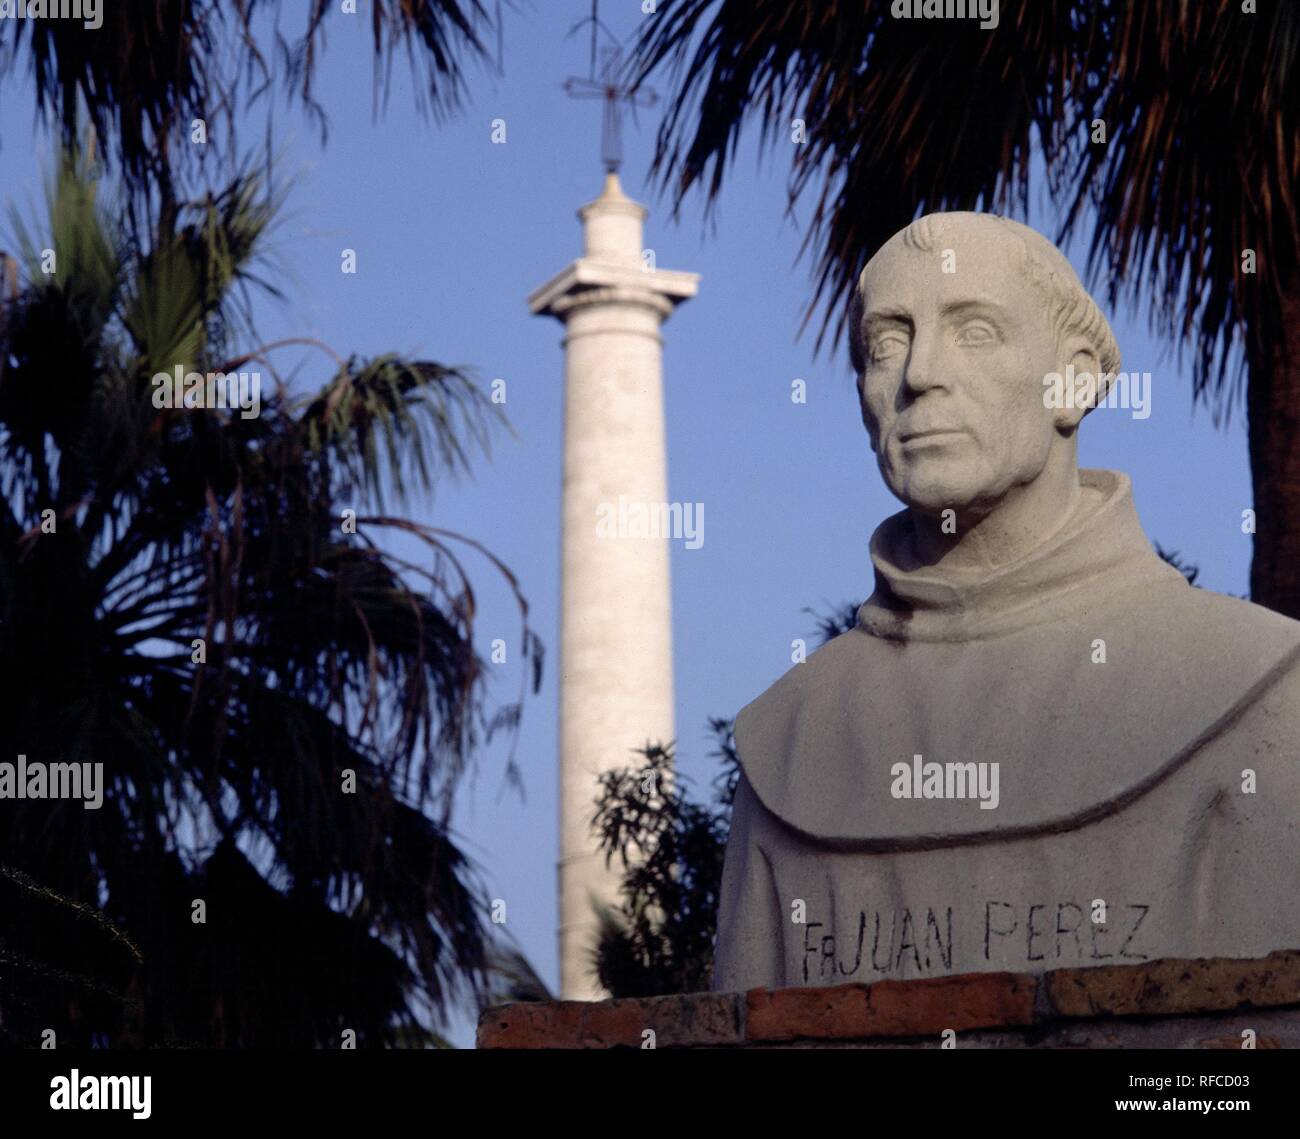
904,117
283,706
154,67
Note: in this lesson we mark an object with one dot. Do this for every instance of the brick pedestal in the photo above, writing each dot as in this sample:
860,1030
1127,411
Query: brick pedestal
1170,1003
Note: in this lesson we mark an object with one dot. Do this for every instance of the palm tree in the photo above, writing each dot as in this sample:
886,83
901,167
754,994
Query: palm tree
1174,123
55,952
153,67
206,603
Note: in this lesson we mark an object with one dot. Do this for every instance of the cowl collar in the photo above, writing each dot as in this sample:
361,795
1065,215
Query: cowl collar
1102,548
1088,672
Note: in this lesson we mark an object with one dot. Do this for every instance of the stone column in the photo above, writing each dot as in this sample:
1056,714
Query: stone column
616,680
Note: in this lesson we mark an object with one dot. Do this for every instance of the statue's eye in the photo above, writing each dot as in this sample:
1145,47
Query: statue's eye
975,334
888,344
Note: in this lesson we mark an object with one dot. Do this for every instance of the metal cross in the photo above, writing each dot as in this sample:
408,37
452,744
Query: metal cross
615,95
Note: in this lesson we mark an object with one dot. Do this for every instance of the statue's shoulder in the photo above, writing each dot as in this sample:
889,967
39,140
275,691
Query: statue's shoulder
1239,610
1237,630
827,669
1218,625
796,712
1183,668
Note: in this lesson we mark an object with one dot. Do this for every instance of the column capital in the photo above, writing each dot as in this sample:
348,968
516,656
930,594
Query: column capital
564,305
589,280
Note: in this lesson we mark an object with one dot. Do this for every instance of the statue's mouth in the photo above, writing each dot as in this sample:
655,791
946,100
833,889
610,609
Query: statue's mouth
939,435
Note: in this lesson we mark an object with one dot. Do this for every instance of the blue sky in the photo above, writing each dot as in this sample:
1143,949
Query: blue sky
452,232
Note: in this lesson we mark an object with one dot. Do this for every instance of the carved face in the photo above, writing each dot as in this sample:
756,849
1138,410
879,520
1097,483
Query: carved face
952,384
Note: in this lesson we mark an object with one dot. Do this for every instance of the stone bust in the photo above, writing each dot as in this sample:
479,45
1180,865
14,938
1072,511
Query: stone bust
1040,747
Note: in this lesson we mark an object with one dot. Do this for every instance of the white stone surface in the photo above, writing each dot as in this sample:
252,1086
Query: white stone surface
1140,737
616,676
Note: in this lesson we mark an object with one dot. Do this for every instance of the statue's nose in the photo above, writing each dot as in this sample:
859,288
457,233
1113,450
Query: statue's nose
924,368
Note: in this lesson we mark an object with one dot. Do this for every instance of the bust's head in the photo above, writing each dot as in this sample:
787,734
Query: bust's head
955,323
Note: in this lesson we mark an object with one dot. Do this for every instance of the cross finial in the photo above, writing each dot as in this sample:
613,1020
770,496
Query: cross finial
615,93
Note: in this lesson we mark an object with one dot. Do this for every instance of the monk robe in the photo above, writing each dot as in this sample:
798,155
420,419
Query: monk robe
1147,737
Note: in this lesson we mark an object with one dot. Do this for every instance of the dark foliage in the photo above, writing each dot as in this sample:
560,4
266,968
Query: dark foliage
661,940
283,707
154,66
671,849
1200,163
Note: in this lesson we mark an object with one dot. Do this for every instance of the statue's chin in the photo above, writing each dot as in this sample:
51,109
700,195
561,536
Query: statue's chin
932,491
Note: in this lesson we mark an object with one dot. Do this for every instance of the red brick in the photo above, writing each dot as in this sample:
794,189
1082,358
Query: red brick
1233,1043
695,1019
891,1008
1172,986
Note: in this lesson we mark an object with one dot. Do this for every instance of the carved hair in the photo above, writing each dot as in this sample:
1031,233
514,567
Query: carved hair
1071,311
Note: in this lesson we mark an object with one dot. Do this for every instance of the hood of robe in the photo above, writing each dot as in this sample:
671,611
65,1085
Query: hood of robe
1088,670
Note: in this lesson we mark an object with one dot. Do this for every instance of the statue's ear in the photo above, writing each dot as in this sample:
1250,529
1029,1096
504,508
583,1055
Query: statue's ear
1081,372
